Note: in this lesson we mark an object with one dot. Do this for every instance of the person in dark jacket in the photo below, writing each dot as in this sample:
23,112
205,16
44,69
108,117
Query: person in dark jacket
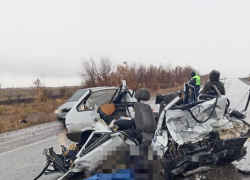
214,80
195,82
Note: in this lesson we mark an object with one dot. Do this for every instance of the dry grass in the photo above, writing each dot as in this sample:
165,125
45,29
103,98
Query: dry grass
34,113
42,112
24,93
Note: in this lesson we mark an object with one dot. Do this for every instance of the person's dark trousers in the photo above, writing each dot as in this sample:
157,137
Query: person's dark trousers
197,89
192,98
194,95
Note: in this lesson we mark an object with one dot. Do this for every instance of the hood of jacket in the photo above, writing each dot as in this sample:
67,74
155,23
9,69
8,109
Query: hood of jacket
214,75
193,73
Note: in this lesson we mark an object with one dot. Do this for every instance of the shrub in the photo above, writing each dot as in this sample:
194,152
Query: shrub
151,77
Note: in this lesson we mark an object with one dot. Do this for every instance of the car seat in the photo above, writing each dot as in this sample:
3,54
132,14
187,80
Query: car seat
109,112
144,118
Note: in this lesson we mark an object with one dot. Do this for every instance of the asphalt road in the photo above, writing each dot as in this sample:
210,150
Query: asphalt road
21,151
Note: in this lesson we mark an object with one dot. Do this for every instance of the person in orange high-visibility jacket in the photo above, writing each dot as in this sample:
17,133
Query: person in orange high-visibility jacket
195,82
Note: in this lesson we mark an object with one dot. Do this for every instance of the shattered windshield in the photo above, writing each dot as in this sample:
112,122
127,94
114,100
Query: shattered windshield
76,96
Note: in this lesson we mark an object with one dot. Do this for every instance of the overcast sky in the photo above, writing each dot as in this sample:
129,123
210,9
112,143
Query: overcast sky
50,37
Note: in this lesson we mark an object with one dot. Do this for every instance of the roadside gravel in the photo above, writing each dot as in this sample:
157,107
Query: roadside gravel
15,139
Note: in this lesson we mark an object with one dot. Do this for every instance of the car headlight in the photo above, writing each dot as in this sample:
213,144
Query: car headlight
56,111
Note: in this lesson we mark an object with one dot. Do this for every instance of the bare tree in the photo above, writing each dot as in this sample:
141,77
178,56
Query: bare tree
89,73
37,83
151,77
40,91
105,69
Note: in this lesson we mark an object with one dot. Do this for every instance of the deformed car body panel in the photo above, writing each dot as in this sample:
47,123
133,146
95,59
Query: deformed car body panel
213,151
184,128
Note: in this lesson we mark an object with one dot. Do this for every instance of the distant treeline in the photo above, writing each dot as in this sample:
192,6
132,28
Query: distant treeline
107,73
35,94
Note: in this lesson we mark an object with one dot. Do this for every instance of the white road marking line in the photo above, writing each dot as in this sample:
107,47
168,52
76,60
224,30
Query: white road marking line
29,145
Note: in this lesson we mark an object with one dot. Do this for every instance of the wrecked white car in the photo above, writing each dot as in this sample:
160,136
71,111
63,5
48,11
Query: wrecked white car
112,102
186,136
